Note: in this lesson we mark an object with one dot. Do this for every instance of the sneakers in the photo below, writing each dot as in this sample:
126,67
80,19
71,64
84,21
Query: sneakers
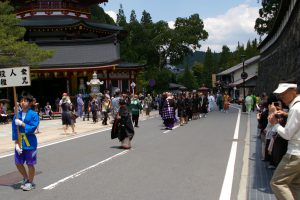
28,186
23,182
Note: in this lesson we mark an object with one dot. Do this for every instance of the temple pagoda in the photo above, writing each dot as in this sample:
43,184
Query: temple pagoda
81,47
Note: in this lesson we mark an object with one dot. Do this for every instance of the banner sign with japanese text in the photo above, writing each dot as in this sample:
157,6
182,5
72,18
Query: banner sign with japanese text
13,77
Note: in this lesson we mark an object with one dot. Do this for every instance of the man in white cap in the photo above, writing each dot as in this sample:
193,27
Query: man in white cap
285,182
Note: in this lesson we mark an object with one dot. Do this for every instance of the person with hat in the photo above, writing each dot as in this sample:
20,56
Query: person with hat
26,149
285,182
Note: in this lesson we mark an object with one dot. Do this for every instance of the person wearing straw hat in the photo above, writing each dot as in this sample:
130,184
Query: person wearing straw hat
26,147
285,182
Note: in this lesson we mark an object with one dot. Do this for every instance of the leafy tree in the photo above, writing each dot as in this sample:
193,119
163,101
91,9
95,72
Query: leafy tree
98,14
14,51
121,18
224,58
188,79
133,18
267,15
146,18
198,70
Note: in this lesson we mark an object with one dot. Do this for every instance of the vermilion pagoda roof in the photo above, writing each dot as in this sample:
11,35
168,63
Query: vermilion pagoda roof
73,1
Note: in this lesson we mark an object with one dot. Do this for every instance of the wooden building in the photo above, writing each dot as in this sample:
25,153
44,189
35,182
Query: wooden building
81,47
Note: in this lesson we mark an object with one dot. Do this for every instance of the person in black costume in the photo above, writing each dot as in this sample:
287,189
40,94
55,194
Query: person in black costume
123,127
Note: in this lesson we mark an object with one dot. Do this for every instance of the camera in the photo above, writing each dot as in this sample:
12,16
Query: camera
278,116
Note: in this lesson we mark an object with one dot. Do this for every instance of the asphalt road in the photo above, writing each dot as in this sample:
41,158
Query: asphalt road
187,163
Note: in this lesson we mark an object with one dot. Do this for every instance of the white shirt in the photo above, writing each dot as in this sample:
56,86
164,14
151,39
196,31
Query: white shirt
291,131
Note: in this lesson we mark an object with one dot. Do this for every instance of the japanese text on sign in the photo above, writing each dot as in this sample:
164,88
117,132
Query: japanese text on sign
12,77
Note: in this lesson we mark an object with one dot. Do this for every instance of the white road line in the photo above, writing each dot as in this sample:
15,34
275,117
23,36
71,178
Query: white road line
227,183
68,139
237,126
52,186
61,141
167,131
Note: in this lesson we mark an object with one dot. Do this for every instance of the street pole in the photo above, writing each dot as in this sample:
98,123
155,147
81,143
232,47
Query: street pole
244,75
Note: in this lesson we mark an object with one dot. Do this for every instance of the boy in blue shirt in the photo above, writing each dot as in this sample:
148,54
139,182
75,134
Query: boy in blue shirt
26,151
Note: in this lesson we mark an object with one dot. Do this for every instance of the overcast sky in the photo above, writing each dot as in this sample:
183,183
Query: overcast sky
226,21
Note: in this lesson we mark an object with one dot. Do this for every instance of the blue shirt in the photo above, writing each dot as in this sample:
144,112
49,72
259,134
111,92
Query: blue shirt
31,122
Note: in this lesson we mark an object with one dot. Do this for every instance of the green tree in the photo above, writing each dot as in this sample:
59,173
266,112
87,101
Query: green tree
133,18
224,58
14,51
198,70
121,18
98,14
267,16
146,18
188,79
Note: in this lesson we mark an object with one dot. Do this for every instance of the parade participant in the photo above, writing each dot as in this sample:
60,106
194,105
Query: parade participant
80,105
226,102
94,108
168,112
249,103
203,105
35,107
115,103
220,102
66,114
196,109
181,111
26,150
136,108
147,104
123,127
285,182
211,102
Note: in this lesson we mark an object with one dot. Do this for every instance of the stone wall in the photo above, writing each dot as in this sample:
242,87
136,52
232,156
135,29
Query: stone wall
282,59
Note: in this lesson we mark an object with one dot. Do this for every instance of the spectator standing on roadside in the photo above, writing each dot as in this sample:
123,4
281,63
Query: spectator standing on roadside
66,114
48,109
285,182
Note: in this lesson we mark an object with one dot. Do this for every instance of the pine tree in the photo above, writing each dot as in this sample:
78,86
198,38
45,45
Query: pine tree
14,51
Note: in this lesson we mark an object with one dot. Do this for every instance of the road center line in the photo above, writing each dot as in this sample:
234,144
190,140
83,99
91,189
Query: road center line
52,186
228,179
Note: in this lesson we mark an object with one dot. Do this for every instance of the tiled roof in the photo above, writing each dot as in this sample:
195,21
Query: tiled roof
57,21
81,55
240,65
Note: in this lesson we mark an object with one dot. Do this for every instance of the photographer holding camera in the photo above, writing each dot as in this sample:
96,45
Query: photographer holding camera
285,182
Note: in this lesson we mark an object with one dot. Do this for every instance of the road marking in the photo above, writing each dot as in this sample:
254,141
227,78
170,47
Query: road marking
167,131
53,185
228,179
237,126
72,138
242,194
63,140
